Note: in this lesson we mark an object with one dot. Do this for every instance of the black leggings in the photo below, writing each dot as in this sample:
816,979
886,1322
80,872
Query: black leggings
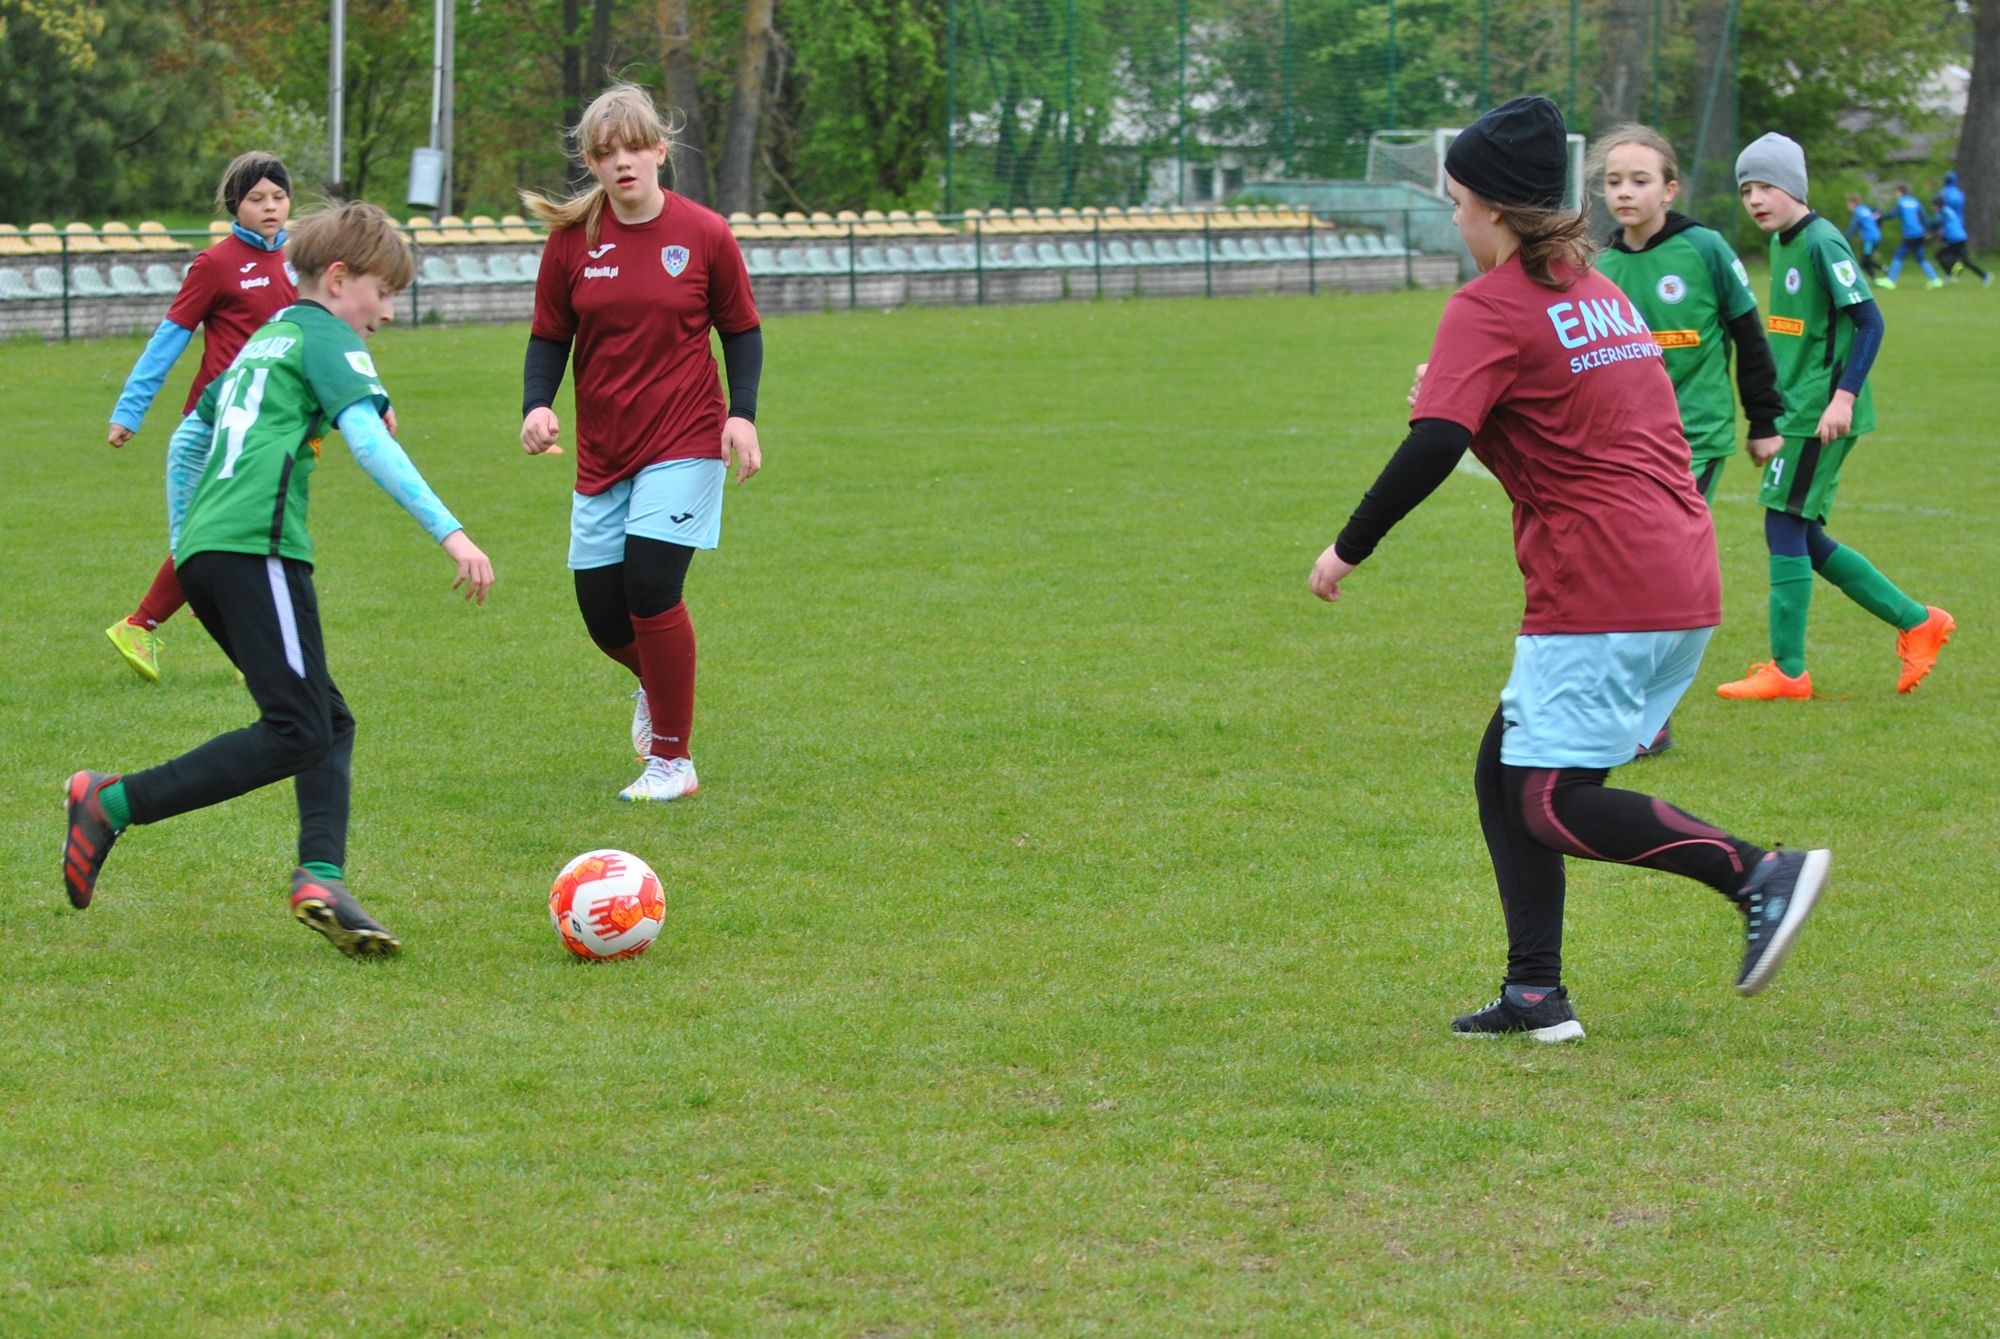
1953,253
648,582
1789,536
1534,816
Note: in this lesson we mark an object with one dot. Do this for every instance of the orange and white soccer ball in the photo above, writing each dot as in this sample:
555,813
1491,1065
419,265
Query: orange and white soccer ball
607,904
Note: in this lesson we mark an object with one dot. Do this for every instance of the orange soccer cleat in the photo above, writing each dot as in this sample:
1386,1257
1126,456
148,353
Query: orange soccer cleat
1919,647
1767,683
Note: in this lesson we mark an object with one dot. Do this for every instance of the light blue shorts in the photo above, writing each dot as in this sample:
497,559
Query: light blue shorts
1590,699
678,501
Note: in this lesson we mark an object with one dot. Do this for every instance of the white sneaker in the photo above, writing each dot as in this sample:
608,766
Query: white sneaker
664,779
642,724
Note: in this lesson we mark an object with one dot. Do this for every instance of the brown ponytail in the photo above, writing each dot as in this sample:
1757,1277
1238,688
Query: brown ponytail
1556,249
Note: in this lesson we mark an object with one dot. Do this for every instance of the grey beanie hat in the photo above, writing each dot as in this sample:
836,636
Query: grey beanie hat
1776,161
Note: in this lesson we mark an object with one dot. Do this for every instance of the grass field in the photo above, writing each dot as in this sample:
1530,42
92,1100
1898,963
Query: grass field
1064,937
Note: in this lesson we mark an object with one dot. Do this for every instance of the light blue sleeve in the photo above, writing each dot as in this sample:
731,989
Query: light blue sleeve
187,458
163,350
389,466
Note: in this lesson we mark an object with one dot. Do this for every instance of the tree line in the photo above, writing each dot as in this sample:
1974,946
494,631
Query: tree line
114,106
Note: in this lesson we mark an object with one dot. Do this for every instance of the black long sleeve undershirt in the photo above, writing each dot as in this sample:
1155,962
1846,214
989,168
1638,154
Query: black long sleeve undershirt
743,361
742,354
542,374
1756,375
1424,460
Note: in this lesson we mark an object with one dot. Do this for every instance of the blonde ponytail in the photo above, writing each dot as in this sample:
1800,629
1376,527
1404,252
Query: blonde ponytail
622,116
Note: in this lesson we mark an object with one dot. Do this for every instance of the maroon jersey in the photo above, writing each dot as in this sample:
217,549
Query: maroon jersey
639,306
1570,406
232,289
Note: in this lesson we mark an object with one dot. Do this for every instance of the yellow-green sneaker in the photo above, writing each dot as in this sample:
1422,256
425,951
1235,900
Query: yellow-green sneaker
139,646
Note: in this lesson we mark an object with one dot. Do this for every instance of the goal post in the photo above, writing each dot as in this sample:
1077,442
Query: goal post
1416,158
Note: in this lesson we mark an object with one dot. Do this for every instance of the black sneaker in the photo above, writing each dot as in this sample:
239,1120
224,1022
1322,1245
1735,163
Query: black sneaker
325,905
1661,742
1777,900
1542,1012
89,837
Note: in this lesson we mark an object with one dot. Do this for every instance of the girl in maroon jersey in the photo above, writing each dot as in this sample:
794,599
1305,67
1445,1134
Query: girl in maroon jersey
1552,378
633,279
230,291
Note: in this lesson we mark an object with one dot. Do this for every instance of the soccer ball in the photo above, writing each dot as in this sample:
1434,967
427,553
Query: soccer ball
607,904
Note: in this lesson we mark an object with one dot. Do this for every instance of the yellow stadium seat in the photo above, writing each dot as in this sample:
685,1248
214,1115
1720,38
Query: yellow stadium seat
425,233
83,239
43,239
11,243
517,229
484,229
118,237
153,237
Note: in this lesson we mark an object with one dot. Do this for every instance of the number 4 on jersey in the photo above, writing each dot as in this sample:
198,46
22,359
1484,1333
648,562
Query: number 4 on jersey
240,404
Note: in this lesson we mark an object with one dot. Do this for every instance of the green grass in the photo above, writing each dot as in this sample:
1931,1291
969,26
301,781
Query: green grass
1063,939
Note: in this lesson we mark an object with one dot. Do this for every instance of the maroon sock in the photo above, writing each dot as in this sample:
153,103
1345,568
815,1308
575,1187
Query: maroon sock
666,668
163,598
626,655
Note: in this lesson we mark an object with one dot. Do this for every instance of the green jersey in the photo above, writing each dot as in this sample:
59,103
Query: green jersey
1689,285
270,409
1813,277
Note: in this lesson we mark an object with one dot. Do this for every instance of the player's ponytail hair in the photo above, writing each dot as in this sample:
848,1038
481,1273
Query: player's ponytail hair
1556,249
1630,132
622,116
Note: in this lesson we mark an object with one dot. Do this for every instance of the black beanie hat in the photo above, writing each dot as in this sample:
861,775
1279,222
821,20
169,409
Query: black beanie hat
1516,154
246,172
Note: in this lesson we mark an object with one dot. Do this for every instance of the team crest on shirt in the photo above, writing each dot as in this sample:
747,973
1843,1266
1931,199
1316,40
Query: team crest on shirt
1792,280
1672,288
362,363
1843,270
1742,275
675,258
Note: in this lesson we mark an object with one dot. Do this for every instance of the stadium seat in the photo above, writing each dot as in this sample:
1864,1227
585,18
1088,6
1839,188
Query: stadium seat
126,283
1357,245
47,281
118,237
517,229
11,243
217,230
791,260
435,272
1076,257
896,260
43,239
902,225
454,229
1189,249
13,288
1329,246
153,237
821,224
83,239
1393,246
502,269
757,260
1372,243
1116,252
471,271
161,279
1047,257
425,233
924,259
86,282
868,260
819,260
529,263
927,222
484,229
1230,249
1294,248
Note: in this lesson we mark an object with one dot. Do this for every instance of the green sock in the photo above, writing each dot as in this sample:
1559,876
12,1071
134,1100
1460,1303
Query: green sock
319,869
1791,598
1860,582
112,797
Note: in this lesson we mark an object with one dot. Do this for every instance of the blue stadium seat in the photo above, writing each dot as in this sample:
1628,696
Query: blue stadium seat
1294,248
956,256
757,260
1190,249
821,261
1047,257
436,273
47,280
126,283
896,260
1076,257
922,258
86,282
1357,245
470,271
1373,243
791,260
13,288
1232,250
1116,252
160,279
1329,246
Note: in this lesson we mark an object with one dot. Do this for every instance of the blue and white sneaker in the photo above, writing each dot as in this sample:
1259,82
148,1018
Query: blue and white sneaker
1780,895
1543,1012
663,780
642,724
